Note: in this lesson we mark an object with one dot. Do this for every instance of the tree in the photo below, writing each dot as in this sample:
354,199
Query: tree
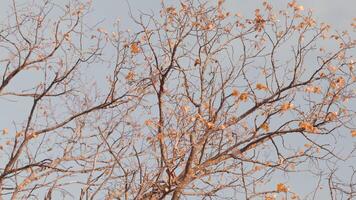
196,103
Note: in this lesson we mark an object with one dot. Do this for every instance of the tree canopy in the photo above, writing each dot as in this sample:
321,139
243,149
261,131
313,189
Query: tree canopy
194,102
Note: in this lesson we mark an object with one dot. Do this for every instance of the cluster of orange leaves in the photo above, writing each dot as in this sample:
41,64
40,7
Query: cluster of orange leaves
281,187
331,116
130,76
242,97
135,48
296,7
148,122
259,21
171,10
313,89
269,197
286,106
338,83
308,127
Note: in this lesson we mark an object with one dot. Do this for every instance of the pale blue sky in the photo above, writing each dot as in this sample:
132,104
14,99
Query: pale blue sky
338,13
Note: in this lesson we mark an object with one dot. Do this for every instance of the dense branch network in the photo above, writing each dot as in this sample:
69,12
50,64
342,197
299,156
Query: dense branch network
197,102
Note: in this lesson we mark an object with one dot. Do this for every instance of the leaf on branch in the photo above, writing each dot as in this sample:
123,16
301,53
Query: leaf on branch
293,4
259,21
171,10
135,48
222,127
260,86
5,131
235,93
257,168
265,127
130,76
243,97
281,188
197,62
353,133
270,197
308,145
209,26
210,125
340,82
287,106
308,127
148,122
331,116
313,89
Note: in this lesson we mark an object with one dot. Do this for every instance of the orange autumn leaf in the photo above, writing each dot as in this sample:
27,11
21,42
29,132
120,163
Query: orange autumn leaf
269,197
340,82
135,48
260,86
130,76
331,116
206,105
281,188
286,106
294,196
313,89
195,24
197,62
308,145
5,131
292,4
243,96
32,135
148,122
257,168
265,127
210,125
353,133
171,10
353,24
185,109
209,26
307,127
222,127
259,21
18,134
299,8
235,93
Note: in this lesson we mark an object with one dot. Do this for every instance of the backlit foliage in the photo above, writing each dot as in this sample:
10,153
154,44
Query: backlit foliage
193,101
